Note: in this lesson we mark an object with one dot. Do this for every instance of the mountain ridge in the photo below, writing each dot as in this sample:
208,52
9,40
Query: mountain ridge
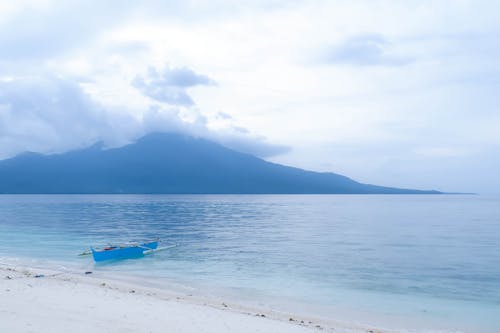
167,163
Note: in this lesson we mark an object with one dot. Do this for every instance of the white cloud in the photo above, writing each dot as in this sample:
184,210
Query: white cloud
365,50
53,114
397,77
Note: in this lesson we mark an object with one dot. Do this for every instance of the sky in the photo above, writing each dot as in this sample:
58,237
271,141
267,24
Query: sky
395,93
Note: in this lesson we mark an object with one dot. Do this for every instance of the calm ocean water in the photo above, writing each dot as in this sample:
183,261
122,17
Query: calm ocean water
415,262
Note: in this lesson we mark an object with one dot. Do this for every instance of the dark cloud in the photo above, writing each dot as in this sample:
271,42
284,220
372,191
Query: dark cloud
364,50
52,114
169,85
49,115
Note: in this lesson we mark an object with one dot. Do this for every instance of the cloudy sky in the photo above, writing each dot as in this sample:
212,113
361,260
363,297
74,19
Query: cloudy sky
397,93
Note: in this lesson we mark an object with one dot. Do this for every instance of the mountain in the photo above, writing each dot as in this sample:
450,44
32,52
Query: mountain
169,163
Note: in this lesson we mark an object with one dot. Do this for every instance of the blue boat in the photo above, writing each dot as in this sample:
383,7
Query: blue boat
125,251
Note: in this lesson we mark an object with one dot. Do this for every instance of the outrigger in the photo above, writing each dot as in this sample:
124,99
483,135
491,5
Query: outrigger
124,251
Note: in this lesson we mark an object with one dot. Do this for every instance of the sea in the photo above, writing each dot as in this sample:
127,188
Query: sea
415,263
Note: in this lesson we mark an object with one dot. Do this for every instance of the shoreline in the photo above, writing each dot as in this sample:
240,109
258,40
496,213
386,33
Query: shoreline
37,301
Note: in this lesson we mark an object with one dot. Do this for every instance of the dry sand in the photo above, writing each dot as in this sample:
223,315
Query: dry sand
75,302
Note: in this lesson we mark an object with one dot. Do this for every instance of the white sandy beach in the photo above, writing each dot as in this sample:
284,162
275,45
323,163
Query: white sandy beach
75,302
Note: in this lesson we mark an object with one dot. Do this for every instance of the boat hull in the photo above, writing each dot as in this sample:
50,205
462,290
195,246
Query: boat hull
128,252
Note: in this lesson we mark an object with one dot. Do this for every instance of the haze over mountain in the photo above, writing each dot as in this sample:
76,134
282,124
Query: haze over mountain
169,163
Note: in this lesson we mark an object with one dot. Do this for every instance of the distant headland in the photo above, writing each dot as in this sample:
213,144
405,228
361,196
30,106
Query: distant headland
167,163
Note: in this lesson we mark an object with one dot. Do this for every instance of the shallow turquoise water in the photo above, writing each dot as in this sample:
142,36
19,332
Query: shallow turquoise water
425,262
